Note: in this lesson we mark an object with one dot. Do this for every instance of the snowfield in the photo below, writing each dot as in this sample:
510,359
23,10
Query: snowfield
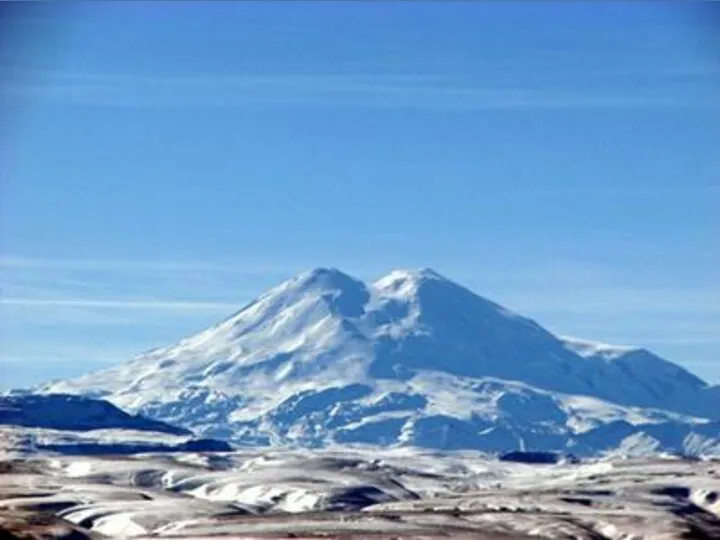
360,492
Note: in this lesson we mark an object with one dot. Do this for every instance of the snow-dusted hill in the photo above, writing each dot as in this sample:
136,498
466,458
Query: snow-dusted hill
412,358
74,413
354,494
81,425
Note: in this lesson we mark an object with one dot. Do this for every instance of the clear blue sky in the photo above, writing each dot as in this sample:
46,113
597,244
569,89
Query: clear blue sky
163,163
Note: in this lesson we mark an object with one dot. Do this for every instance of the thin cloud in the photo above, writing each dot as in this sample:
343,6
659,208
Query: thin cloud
64,354
377,91
183,305
241,266
554,287
599,300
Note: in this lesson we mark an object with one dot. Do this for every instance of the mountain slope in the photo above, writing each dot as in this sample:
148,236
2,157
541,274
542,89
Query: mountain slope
325,358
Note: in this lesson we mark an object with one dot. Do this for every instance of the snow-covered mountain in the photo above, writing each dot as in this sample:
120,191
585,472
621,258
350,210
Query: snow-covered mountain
413,358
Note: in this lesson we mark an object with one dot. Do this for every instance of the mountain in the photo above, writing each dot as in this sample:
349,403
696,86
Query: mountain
74,413
413,358
82,425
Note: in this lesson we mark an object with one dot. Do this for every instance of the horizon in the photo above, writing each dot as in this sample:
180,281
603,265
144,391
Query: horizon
160,168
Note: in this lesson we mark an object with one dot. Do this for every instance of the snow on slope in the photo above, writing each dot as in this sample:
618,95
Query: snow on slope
361,493
412,359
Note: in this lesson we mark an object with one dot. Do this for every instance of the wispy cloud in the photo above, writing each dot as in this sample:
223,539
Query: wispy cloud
364,90
559,286
120,304
62,353
240,266
614,299
134,294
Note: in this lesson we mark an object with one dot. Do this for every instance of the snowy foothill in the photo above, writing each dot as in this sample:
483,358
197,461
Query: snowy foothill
362,492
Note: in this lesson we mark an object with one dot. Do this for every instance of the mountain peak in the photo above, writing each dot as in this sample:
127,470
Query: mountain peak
322,277
432,289
413,277
322,272
416,274
344,294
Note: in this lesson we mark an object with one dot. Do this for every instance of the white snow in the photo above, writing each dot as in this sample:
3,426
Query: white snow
589,349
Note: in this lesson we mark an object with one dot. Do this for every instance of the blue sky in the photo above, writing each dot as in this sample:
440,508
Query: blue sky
164,163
